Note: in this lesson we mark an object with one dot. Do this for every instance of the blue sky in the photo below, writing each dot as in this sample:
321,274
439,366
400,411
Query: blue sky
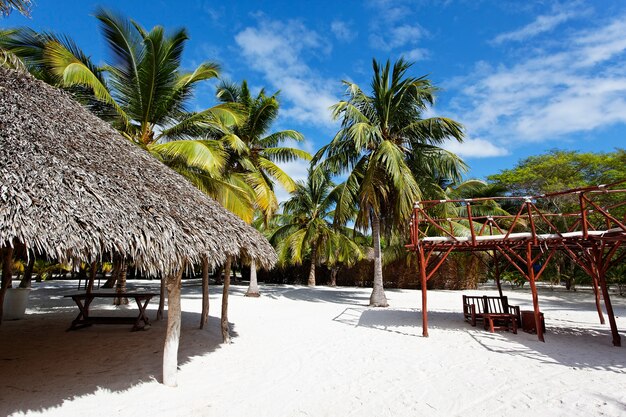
522,76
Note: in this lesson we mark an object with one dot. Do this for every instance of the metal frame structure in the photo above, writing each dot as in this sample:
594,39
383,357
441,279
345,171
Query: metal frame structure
592,234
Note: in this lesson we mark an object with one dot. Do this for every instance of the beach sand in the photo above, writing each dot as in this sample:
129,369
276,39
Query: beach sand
300,351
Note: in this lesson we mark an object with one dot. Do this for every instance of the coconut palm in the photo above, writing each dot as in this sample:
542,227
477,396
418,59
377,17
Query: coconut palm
307,229
141,91
253,151
389,152
22,6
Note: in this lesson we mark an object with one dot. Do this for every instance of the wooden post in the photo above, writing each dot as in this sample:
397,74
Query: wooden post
533,288
224,321
424,283
7,275
605,295
596,292
159,314
172,337
205,291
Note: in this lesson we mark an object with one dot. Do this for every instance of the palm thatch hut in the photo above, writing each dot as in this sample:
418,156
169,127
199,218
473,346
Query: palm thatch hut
72,188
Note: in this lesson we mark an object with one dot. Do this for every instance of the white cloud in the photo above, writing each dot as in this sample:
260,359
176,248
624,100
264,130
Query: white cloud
397,36
279,50
475,148
417,54
541,24
343,31
577,86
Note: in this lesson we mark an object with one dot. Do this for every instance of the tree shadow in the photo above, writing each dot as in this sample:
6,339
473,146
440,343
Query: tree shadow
316,294
406,322
44,365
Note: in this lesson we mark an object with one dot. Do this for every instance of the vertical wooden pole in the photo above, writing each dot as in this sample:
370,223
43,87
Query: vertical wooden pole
424,283
172,337
605,295
205,291
533,288
224,320
7,275
596,291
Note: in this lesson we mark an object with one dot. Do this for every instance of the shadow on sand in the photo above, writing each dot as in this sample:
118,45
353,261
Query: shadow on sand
572,346
42,364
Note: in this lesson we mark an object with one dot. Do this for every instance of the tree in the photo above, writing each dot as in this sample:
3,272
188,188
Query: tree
307,229
254,152
22,6
142,91
558,170
390,153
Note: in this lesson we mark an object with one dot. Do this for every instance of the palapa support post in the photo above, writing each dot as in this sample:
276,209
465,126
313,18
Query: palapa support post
224,319
205,291
172,337
7,274
159,314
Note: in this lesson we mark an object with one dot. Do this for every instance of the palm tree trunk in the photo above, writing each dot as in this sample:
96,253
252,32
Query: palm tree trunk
28,273
7,275
333,276
225,328
172,337
120,287
311,282
92,276
205,291
253,288
378,298
115,272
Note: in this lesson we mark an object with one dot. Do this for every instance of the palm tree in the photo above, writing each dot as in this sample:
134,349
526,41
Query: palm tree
22,6
389,152
254,152
308,229
141,91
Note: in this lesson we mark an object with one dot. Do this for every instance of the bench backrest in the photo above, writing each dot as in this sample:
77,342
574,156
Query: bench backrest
488,304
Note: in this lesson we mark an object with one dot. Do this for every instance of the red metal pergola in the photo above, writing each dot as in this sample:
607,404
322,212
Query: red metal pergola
592,234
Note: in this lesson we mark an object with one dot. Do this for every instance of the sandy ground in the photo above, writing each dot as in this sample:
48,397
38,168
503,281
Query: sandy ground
315,352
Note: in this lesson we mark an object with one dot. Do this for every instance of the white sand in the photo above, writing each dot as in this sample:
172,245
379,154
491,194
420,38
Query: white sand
316,352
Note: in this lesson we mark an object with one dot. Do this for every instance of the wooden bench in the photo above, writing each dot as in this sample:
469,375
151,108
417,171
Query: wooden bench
84,318
500,321
476,306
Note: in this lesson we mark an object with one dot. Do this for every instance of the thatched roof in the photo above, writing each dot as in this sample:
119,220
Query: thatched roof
73,188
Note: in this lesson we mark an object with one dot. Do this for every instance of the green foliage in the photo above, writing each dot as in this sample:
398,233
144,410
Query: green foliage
307,229
514,278
389,151
22,6
254,152
559,170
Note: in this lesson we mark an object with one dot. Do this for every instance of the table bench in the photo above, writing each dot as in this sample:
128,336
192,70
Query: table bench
84,319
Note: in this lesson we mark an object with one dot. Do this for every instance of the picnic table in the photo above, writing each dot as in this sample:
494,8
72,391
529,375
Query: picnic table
84,318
